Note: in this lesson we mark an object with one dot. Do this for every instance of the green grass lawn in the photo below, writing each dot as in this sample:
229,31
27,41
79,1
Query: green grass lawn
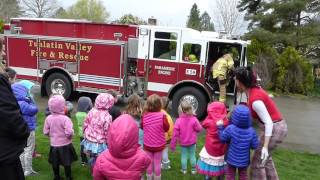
290,165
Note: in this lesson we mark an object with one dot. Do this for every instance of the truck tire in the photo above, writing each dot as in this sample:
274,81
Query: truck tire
197,98
58,83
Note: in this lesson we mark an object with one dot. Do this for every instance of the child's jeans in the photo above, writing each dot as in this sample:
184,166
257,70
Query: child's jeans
188,152
84,158
26,156
231,173
165,158
155,165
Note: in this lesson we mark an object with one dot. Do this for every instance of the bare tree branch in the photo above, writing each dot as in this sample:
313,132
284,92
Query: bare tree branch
39,8
227,16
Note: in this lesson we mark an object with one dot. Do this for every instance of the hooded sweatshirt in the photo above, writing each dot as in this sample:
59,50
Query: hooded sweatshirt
240,136
84,106
124,158
98,120
216,111
27,106
58,126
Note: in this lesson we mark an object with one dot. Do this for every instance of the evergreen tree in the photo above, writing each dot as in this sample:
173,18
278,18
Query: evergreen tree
292,27
205,22
194,18
287,23
291,22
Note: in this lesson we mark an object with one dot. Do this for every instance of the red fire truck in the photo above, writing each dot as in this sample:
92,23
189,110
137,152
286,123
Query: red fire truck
71,55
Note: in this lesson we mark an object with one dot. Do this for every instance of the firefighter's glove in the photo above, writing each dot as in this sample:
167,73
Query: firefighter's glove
264,155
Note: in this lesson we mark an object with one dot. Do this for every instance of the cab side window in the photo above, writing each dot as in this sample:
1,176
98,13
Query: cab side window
165,45
191,52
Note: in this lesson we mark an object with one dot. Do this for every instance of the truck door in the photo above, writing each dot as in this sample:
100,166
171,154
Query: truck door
162,66
192,60
217,50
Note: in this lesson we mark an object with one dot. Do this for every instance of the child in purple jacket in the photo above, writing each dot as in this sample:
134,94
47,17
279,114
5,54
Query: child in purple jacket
59,128
185,130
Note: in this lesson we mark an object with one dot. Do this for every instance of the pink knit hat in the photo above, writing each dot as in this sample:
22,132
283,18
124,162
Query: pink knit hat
104,101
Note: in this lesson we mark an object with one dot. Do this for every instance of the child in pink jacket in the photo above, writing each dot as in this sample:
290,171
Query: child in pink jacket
59,128
185,130
96,126
124,159
154,124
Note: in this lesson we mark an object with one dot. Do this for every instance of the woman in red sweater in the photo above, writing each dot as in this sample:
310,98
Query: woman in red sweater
273,127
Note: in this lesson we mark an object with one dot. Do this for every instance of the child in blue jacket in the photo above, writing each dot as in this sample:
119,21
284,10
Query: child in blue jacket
241,137
29,111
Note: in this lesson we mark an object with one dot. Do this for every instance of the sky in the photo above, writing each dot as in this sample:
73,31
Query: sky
168,12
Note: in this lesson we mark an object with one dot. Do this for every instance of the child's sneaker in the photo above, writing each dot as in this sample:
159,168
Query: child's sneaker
36,155
165,165
31,173
183,171
193,172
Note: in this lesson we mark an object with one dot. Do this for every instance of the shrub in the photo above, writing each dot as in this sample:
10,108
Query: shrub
293,73
1,26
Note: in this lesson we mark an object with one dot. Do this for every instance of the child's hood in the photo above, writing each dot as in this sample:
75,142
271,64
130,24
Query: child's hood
217,110
57,104
84,104
241,116
104,101
26,83
20,91
123,137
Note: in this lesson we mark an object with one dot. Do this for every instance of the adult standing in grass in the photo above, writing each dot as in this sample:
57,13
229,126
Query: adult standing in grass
273,127
14,132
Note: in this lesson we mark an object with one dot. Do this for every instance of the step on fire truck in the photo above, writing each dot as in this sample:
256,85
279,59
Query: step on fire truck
71,55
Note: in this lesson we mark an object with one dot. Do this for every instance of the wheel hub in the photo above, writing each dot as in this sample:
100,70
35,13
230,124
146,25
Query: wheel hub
192,100
58,87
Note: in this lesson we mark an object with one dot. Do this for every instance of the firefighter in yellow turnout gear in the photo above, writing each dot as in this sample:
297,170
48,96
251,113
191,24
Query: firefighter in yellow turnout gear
220,71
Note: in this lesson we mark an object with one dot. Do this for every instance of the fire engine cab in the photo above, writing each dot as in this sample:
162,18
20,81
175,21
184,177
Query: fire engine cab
71,55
